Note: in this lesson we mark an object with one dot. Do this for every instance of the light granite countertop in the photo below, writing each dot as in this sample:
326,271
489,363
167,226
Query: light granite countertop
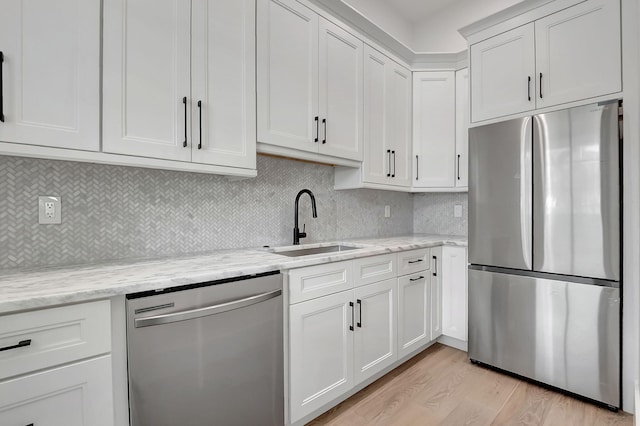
35,288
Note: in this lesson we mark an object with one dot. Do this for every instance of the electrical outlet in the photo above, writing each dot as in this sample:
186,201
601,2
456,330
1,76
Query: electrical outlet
457,210
387,211
49,210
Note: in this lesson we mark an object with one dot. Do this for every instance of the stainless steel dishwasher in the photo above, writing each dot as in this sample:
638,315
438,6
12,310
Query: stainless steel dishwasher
207,354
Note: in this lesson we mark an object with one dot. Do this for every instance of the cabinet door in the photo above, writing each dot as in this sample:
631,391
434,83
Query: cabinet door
51,73
223,83
434,143
398,123
454,292
375,346
340,92
287,74
436,292
74,395
414,316
462,128
503,74
578,53
146,78
321,351
377,152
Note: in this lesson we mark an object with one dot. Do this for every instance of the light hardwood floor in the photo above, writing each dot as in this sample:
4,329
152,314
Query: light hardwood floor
441,387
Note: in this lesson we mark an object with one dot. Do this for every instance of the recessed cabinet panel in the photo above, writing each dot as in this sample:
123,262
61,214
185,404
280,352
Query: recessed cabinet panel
434,143
223,108
50,73
503,74
578,53
341,103
321,351
375,335
320,280
287,74
414,309
146,78
369,270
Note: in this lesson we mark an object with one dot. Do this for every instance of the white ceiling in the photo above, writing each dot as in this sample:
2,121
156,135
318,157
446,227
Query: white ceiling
415,10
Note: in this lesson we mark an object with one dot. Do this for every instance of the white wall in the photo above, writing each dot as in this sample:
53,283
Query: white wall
383,15
439,32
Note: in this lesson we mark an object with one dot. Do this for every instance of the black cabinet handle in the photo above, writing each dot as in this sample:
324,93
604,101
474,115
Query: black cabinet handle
540,85
421,277
352,315
21,344
1,84
458,166
388,163
529,88
435,266
200,114
184,101
415,261
359,302
317,128
394,164
324,123
417,165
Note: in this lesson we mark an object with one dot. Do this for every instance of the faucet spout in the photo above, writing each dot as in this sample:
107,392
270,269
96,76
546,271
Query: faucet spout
296,230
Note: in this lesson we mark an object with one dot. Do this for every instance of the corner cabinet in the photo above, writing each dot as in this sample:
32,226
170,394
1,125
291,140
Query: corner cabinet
179,84
50,73
309,84
568,56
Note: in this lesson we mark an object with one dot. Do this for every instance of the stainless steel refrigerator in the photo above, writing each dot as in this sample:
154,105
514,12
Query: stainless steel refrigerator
544,249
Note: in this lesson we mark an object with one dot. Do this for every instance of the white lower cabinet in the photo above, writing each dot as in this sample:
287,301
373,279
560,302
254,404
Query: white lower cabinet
454,292
414,318
321,351
74,395
375,331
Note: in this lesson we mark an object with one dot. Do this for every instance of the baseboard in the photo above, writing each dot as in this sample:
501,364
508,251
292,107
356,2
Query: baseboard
454,343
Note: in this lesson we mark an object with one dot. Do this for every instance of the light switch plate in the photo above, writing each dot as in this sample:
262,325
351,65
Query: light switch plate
457,210
387,211
49,210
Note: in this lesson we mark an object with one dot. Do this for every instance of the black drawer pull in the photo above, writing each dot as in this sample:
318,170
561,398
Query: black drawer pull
317,129
21,344
416,261
421,277
1,96
435,266
359,302
540,85
184,101
529,88
389,163
200,114
352,315
324,138
394,164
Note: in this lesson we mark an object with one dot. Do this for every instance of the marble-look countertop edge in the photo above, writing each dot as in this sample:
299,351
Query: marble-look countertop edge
21,291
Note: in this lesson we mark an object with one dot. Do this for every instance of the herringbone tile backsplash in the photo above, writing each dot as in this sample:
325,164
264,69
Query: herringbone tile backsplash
111,212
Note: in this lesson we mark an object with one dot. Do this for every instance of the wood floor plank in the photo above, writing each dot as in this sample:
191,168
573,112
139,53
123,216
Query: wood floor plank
441,387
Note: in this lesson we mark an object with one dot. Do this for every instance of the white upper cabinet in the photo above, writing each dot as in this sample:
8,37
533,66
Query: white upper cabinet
50,73
387,121
178,80
503,74
340,92
223,106
578,53
462,128
146,78
568,56
309,83
287,75
434,131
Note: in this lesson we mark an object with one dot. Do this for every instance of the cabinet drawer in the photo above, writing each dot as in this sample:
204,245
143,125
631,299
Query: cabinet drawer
317,281
48,337
75,395
413,261
373,269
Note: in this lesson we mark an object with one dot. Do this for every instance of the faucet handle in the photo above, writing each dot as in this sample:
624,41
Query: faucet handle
303,234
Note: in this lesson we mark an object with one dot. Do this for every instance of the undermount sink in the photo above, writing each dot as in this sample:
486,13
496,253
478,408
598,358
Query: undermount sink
295,252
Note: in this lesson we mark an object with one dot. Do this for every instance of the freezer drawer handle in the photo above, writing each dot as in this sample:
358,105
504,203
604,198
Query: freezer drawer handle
421,277
206,311
415,261
21,344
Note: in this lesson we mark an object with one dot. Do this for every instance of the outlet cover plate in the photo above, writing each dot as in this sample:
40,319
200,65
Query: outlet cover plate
49,210
457,210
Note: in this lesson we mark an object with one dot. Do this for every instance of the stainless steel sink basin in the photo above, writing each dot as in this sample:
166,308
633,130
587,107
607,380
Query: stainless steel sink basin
295,252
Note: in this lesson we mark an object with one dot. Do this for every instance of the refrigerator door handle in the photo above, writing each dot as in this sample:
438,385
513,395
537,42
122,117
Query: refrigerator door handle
526,195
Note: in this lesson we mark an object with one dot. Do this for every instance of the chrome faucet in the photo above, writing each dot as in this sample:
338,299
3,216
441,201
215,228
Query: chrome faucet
296,231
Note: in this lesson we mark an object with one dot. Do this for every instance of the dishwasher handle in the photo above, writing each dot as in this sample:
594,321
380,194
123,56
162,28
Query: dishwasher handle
206,311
